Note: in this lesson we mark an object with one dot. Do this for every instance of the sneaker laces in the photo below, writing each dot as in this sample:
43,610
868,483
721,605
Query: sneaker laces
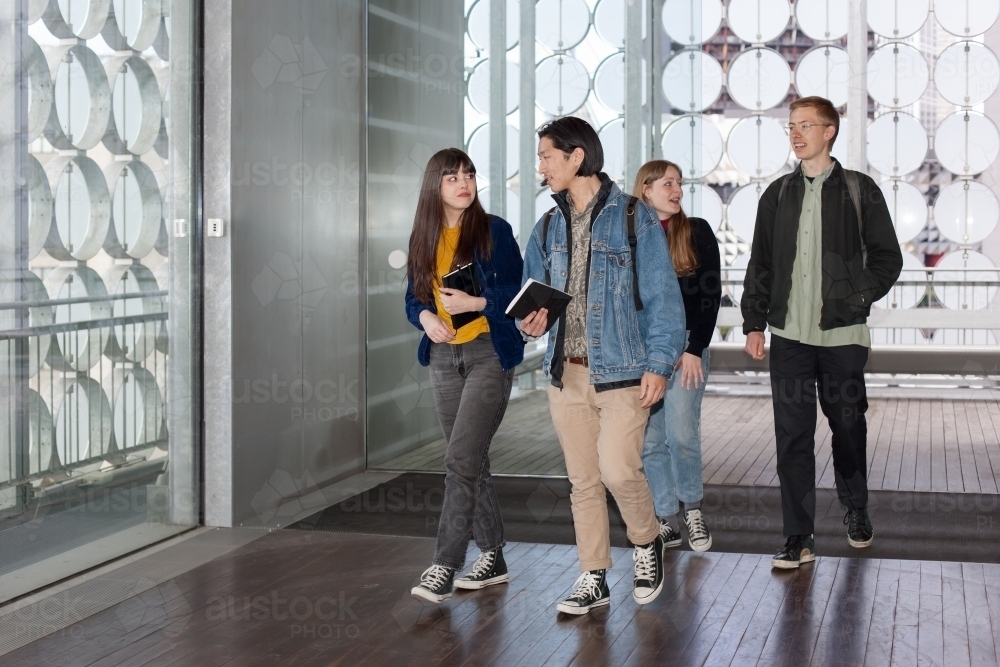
645,561
435,577
794,541
588,585
696,525
483,564
853,518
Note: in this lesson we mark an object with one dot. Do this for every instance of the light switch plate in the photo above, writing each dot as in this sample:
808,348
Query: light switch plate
215,227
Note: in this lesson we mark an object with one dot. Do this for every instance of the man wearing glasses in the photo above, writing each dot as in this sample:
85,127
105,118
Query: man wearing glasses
824,249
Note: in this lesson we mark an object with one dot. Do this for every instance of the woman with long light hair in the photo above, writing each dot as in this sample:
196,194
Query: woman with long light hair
472,365
671,454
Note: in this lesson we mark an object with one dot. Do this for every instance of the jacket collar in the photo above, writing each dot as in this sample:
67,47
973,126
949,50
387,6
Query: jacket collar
607,194
833,178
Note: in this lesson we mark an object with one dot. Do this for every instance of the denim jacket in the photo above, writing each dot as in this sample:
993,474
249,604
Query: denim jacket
500,278
624,343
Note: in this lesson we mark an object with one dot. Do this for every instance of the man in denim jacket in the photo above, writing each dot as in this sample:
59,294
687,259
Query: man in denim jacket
609,356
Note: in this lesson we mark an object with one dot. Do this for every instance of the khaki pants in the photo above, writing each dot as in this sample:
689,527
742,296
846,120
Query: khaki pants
601,434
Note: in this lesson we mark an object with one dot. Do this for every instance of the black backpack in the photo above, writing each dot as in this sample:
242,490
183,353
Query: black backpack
633,241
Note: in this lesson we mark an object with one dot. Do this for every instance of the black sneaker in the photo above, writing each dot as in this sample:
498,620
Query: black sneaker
488,569
698,536
798,549
670,537
591,591
648,571
435,584
859,528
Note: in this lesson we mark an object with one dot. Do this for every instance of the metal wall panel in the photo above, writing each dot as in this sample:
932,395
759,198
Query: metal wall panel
415,102
296,358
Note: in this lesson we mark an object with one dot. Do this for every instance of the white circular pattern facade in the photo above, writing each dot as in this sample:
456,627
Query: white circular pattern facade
896,19
966,212
694,144
823,71
758,21
758,146
967,73
691,22
692,80
966,143
758,79
897,75
897,144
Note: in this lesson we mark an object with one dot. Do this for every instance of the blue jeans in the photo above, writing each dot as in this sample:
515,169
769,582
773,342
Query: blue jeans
671,455
471,391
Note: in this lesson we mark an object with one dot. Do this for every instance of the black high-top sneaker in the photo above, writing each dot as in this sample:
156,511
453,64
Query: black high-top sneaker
591,592
648,571
698,536
859,528
671,538
436,584
798,549
488,569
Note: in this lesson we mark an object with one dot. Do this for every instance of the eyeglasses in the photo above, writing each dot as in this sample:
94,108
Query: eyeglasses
804,127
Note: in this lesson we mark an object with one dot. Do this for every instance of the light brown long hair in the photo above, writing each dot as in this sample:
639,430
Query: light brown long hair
682,253
474,237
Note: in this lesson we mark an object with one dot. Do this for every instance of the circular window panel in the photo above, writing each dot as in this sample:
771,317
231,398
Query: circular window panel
897,75
694,144
897,144
966,143
897,19
967,266
82,208
479,150
758,21
562,85
823,71
967,73
742,210
692,22
692,81
758,146
561,24
906,295
968,18
966,212
758,79
82,99
823,20
136,210
77,349
907,207
479,87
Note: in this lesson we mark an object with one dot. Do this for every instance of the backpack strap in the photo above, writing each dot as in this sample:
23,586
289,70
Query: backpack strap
633,241
545,235
854,188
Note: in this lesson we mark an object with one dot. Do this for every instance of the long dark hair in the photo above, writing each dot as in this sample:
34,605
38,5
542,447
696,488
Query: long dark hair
474,237
682,253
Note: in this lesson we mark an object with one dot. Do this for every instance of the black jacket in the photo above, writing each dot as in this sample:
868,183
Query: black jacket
849,284
702,290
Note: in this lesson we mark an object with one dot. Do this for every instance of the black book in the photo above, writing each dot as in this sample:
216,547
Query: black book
534,296
463,278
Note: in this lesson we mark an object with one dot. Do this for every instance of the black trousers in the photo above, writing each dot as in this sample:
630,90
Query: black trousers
797,372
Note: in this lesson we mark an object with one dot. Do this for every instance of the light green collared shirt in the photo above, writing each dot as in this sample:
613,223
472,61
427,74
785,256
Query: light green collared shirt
806,297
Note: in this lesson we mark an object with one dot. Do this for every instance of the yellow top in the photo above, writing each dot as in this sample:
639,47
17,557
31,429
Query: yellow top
447,245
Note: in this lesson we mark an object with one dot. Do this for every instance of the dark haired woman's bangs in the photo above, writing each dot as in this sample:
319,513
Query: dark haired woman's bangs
454,161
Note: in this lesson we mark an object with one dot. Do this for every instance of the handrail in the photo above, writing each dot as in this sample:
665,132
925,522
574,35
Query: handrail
102,298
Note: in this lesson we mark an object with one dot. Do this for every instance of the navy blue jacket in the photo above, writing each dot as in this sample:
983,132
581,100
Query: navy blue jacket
500,278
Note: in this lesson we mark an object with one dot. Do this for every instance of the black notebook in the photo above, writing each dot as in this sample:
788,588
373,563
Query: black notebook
535,295
463,278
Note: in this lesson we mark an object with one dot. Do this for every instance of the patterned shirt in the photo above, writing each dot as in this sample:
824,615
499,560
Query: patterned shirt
575,341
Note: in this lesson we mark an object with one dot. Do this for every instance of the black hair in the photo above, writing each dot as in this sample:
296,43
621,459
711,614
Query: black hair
569,133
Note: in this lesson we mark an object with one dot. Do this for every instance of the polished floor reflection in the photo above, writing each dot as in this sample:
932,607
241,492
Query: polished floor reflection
913,444
309,598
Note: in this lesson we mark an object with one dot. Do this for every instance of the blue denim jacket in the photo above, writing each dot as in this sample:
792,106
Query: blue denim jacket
500,278
624,343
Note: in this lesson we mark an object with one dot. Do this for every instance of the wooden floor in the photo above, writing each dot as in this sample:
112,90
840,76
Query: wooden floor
913,444
301,598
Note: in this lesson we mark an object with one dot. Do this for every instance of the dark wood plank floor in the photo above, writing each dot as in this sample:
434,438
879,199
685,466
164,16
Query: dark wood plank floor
913,444
302,598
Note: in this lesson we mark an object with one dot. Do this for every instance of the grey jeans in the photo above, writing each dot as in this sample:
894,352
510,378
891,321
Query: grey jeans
471,391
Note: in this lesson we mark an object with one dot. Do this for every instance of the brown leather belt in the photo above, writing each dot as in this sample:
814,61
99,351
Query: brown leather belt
582,361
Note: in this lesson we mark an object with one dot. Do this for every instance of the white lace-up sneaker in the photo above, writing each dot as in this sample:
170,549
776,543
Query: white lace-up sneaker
591,591
698,536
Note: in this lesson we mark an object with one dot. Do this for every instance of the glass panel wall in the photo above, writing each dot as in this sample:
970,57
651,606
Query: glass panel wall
707,84
96,284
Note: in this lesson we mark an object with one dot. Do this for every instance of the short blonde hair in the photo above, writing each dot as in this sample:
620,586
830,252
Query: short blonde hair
824,109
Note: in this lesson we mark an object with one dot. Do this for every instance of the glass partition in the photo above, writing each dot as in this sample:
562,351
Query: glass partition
97,290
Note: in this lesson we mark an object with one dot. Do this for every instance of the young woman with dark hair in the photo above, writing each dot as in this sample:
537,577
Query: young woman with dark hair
471,368
671,454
